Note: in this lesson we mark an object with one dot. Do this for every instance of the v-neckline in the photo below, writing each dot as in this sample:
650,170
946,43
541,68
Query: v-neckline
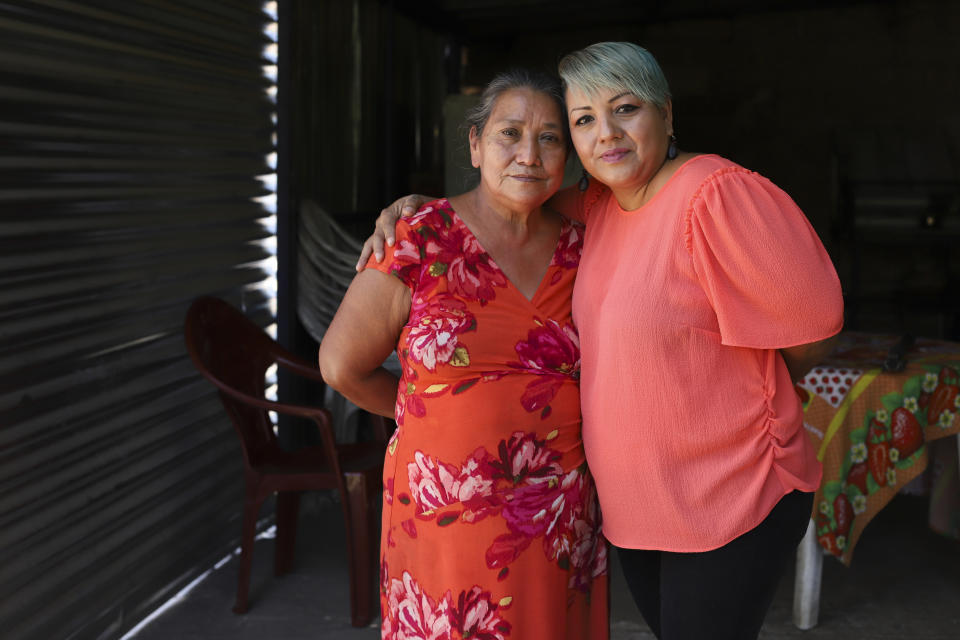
564,223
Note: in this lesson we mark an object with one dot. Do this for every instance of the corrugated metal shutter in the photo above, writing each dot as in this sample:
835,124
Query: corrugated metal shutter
132,133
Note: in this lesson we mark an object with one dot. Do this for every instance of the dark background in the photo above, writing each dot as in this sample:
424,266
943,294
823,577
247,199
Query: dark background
848,106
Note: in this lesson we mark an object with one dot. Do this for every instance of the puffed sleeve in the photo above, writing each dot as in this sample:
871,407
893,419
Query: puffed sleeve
403,259
761,264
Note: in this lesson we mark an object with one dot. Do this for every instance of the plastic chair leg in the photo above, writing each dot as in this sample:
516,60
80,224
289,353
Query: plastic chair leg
806,589
251,507
361,565
288,509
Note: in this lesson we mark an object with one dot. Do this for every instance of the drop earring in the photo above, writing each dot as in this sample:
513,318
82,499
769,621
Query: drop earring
672,149
584,180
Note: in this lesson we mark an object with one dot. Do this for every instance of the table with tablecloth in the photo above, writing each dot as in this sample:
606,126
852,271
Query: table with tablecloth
877,430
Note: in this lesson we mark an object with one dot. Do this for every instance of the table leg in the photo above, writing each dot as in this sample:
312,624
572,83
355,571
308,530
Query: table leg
806,586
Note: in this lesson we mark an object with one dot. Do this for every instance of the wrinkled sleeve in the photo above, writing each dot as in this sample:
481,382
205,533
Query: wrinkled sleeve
403,259
761,264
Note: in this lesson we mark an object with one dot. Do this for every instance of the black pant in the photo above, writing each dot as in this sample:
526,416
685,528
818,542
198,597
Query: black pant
721,594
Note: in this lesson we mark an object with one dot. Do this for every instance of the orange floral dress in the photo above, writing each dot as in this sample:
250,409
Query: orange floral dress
491,529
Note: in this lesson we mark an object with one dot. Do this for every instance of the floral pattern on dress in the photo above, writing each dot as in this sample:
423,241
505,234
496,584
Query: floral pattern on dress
522,483
407,398
443,248
569,249
552,352
435,484
436,324
471,615
418,616
486,492
472,274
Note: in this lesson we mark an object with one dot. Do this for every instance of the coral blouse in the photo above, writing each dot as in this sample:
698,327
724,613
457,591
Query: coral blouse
691,425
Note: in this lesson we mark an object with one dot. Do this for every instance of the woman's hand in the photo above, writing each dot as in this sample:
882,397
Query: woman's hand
386,226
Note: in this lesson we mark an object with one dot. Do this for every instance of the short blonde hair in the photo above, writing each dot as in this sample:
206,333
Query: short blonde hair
621,66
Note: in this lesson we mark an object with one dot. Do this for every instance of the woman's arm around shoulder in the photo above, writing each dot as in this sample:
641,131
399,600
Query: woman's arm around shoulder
361,336
384,230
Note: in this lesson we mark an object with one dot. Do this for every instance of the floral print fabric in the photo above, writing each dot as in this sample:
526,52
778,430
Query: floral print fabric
490,519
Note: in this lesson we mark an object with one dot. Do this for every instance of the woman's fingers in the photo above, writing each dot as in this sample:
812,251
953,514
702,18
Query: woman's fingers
387,222
385,229
369,247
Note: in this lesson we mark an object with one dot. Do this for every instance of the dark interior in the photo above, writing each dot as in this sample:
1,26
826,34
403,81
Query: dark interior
848,106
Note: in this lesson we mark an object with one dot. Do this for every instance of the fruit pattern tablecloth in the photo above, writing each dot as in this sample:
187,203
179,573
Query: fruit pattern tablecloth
872,427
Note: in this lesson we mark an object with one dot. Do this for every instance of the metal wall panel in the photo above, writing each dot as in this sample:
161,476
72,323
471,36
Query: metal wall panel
132,133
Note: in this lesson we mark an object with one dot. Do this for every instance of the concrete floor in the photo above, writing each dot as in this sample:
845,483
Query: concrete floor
904,584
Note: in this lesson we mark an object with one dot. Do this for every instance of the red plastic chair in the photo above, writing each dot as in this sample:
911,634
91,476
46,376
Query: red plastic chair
234,354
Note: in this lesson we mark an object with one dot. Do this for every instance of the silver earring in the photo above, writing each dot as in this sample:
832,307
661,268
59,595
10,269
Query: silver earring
672,149
584,180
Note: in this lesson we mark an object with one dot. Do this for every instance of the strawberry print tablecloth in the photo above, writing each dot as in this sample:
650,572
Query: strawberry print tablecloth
873,427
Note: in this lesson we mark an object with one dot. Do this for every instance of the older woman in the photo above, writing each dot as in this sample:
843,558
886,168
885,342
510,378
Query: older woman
703,291
490,525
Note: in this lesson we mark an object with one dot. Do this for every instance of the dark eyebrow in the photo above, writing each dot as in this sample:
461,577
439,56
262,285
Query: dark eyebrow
513,122
613,99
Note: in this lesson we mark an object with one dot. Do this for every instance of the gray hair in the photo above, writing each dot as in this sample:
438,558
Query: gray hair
621,66
517,79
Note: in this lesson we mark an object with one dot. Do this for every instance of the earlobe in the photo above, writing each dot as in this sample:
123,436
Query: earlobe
668,115
474,148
